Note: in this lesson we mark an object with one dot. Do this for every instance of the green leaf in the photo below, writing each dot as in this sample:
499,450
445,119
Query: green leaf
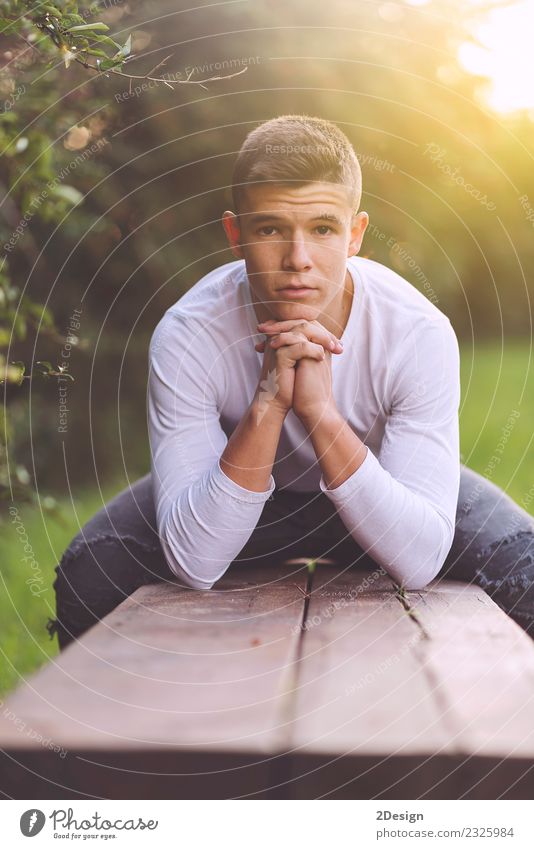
95,52
105,39
51,10
97,27
73,19
108,64
20,365
47,370
46,364
126,49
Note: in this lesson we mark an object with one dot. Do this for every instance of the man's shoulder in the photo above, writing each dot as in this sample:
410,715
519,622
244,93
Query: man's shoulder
409,325
218,287
419,336
217,294
394,296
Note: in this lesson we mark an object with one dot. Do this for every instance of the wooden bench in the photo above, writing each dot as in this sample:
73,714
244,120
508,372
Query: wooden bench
282,683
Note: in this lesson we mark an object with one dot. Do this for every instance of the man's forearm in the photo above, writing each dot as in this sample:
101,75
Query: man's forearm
249,455
399,528
337,448
212,519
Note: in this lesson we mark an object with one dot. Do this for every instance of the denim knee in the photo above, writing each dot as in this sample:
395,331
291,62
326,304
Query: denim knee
505,570
96,575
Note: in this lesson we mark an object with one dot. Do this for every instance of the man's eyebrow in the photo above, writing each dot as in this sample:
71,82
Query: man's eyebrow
323,216
329,216
266,216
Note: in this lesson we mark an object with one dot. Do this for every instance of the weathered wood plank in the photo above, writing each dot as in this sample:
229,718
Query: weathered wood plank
481,664
360,687
169,671
402,703
173,667
181,694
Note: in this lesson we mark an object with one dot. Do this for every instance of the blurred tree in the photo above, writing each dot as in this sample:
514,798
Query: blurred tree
443,178
52,135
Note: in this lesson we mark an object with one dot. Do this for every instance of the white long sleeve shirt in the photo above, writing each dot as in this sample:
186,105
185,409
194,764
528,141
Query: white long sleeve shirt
396,383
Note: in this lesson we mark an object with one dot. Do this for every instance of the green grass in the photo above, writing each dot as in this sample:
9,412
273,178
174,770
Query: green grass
494,388
497,394
25,644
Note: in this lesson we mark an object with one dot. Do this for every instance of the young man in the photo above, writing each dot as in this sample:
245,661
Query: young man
303,401
271,440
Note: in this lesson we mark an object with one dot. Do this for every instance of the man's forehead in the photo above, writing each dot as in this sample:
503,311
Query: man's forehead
324,200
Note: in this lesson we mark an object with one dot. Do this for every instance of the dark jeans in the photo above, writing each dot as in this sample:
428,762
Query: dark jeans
118,550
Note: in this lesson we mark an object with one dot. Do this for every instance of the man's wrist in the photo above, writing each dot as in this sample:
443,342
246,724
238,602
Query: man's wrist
324,416
337,447
270,410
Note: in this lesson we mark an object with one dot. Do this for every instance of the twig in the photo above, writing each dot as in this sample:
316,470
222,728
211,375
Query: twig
163,80
159,65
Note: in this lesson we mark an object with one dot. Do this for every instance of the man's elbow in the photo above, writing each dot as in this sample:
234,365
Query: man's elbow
421,578
434,560
186,577
416,583
191,581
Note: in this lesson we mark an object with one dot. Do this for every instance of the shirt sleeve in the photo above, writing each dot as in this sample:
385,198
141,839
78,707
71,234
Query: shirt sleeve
204,518
401,505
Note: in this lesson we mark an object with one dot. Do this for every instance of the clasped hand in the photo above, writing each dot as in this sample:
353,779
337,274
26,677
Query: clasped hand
297,367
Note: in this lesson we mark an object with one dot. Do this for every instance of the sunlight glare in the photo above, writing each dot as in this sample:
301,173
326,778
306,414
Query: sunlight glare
505,39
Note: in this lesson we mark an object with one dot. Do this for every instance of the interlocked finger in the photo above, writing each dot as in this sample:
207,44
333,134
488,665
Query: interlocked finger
288,333
289,337
291,354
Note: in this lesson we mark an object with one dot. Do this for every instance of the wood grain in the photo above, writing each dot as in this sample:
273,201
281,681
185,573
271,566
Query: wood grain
277,685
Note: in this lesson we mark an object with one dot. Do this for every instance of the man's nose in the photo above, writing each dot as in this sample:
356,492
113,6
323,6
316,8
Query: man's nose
296,255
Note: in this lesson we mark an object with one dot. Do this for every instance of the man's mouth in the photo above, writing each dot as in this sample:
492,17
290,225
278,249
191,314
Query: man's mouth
295,291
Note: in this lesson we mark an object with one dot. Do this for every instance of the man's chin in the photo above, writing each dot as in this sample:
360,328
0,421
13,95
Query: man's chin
288,310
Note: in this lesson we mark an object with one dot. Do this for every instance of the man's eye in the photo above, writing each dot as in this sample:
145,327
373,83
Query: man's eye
267,227
324,227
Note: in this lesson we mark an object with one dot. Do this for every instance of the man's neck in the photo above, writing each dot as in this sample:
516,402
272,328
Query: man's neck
337,320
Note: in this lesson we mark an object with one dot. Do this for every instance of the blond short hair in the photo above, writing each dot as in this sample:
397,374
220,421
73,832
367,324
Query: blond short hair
297,149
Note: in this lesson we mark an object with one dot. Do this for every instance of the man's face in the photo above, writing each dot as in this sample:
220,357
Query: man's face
295,242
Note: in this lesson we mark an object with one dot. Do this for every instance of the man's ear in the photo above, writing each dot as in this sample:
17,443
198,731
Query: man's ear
359,226
230,222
